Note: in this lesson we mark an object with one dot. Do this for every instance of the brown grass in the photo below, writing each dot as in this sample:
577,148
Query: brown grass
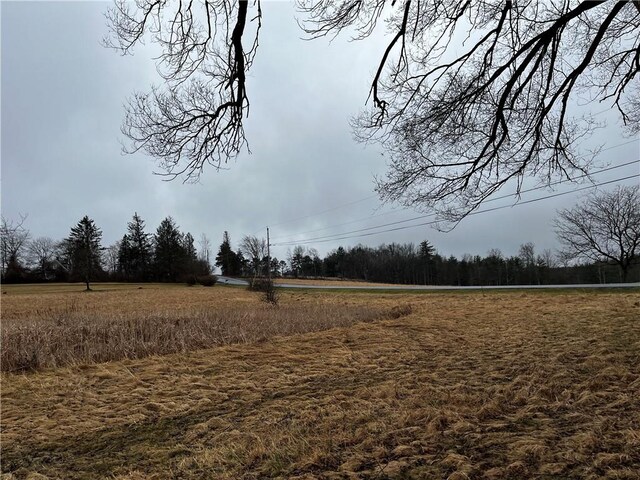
504,385
69,337
331,282
41,301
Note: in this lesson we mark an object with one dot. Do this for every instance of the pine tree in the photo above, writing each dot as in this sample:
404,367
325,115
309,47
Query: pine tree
189,262
140,254
84,249
169,251
189,248
297,260
124,258
426,253
228,260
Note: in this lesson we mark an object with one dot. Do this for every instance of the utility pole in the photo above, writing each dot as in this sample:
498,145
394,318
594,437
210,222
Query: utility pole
268,257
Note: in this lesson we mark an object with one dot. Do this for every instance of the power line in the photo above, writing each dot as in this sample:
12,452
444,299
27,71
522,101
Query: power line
432,214
620,145
362,219
472,213
294,242
387,213
325,211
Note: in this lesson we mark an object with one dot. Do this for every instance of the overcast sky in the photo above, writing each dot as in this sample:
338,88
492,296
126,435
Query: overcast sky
62,97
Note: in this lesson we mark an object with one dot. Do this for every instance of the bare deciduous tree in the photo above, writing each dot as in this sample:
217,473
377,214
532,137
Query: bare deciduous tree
256,250
547,258
111,257
467,96
13,241
605,226
41,253
527,254
205,249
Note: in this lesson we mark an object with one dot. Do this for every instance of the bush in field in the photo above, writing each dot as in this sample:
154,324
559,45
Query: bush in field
207,280
270,294
257,284
190,280
267,287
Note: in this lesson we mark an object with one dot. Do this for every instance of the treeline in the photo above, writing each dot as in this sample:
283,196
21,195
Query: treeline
168,255
423,265
420,265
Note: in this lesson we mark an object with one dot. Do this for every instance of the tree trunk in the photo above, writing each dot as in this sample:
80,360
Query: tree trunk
624,270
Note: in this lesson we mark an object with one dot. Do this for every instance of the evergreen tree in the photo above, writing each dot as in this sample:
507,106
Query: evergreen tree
426,253
296,260
189,264
125,267
227,260
242,265
189,247
84,250
140,255
340,260
169,251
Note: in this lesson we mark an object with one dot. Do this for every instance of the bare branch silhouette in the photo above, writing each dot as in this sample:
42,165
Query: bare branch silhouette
196,117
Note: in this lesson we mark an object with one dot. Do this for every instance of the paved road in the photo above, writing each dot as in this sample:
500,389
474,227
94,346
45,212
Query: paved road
235,281
231,281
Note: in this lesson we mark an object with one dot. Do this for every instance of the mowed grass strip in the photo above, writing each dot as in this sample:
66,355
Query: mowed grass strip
509,385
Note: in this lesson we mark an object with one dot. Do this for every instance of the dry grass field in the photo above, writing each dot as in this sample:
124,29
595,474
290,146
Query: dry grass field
330,282
84,328
518,384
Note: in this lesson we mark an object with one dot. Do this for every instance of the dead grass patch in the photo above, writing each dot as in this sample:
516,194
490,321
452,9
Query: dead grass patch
60,337
331,282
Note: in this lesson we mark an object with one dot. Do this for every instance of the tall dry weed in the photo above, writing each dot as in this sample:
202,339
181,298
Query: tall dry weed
67,336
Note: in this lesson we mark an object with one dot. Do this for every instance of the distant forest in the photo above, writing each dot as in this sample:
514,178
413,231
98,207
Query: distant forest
169,255
404,263
421,264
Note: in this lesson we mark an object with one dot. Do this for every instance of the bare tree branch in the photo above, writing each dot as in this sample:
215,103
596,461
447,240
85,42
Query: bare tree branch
467,96
460,123
41,253
196,117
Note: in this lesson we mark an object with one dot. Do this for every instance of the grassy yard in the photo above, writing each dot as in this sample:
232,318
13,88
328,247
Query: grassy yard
467,385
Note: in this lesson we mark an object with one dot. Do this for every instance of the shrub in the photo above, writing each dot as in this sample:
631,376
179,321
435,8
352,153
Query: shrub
267,287
207,280
270,294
